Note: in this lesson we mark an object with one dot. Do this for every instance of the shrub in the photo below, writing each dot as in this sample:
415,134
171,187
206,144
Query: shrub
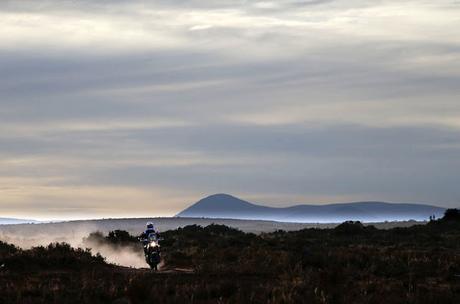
350,227
451,215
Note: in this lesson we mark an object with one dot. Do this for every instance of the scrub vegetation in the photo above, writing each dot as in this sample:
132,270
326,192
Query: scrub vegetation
350,263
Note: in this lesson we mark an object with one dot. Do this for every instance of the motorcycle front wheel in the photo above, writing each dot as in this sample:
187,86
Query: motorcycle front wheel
153,262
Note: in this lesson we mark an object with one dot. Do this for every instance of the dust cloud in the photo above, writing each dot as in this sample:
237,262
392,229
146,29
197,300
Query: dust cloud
127,256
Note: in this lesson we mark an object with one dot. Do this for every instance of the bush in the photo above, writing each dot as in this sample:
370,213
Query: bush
350,227
121,237
54,256
7,249
451,215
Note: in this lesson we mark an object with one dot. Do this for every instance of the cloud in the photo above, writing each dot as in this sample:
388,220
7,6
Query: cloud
168,101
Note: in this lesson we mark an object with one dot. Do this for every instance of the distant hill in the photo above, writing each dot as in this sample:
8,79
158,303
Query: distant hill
10,221
227,206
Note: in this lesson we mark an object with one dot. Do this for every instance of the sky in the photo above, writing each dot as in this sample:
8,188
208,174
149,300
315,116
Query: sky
119,108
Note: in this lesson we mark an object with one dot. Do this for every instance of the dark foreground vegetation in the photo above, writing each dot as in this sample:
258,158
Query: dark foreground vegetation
349,264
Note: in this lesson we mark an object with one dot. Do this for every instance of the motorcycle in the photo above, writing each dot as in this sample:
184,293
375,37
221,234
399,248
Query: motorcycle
152,251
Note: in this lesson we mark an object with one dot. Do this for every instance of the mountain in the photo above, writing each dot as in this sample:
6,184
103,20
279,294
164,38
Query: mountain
227,206
10,221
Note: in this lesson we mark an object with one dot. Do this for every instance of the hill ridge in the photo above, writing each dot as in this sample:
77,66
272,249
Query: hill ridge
223,205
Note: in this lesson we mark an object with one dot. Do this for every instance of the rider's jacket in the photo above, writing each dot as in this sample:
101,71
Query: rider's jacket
146,233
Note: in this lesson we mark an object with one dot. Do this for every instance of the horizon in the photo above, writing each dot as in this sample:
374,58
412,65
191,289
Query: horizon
175,214
128,108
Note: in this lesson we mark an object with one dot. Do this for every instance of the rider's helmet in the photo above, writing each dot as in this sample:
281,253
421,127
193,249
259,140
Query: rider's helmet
150,226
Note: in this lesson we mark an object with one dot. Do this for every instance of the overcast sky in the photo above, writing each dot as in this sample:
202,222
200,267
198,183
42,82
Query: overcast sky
139,108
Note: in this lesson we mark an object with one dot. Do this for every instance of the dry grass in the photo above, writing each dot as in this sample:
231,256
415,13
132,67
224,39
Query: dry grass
348,264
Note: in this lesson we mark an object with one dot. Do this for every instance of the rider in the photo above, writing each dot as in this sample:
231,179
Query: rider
144,238
150,229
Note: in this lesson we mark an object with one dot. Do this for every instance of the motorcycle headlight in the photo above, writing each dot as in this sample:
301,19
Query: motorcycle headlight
153,244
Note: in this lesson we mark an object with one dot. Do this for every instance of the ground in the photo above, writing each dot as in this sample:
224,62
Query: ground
351,263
